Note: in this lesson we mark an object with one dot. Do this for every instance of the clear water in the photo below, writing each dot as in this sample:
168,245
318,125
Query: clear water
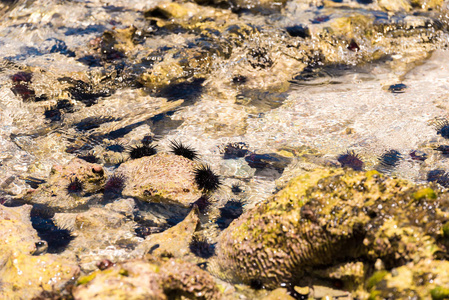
293,110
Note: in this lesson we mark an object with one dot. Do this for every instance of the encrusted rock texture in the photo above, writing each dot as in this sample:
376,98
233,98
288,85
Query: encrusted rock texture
329,217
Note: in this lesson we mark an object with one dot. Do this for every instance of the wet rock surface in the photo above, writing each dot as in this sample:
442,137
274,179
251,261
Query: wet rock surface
69,186
27,270
326,217
141,279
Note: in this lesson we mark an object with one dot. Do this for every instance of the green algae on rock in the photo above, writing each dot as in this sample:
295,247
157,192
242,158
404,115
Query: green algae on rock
327,217
141,279
163,177
24,275
426,279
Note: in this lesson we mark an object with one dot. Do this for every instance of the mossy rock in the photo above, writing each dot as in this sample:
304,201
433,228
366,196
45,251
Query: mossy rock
427,279
326,217
141,279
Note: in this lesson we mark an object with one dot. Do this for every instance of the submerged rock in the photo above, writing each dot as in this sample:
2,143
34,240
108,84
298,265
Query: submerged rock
327,217
69,186
141,279
107,233
164,177
173,242
24,272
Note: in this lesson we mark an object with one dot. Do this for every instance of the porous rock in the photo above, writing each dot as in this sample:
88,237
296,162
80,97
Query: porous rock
141,279
426,279
163,177
325,217
55,193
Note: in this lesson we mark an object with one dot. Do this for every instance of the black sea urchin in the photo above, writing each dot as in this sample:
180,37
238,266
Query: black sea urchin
75,186
236,189
182,150
90,158
201,248
141,151
444,149
439,176
206,179
234,150
397,88
351,159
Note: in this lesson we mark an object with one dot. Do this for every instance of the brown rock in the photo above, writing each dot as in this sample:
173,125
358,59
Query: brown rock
163,177
69,186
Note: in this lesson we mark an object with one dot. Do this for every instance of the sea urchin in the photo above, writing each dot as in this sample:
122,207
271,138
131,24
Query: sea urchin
75,186
115,183
141,151
206,179
182,150
201,247
351,159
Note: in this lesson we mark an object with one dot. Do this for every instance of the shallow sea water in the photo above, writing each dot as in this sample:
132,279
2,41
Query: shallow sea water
290,121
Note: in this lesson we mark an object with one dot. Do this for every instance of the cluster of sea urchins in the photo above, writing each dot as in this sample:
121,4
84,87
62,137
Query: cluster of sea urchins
205,178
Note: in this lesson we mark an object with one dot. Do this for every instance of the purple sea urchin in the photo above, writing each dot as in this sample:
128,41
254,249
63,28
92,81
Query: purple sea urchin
418,155
141,151
351,159
75,186
22,77
182,150
115,183
206,179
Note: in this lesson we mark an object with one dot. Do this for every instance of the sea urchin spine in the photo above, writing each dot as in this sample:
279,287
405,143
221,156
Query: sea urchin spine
206,179
75,186
141,151
352,160
201,247
182,150
115,184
